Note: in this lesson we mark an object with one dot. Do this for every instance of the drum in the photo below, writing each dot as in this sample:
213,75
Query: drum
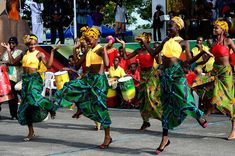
5,86
60,78
127,87
111,98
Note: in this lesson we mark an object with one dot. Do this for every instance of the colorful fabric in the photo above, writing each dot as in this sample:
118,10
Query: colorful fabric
119,72
172,48
149,95
145,60
209,64
92,57
32,87
218,89
177,101
14,72
89,94
178,21
30,59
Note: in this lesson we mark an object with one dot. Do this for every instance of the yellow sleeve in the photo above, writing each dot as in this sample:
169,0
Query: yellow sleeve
122,72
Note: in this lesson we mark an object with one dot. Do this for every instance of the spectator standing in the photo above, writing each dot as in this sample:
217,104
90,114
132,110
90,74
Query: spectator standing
120,19
57,13
12,57
97,18
37,21
82,13
157,23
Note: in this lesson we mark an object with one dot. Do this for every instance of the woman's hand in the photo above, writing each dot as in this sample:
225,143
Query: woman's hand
7,46
141,39
121,41
57,47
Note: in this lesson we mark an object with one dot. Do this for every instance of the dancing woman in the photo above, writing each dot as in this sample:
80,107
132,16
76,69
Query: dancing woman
149,92
34,107
90,92
177,101
219,93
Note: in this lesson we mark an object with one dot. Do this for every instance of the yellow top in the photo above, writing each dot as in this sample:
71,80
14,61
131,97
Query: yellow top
30,59
209,63
172,48
119,72
92,57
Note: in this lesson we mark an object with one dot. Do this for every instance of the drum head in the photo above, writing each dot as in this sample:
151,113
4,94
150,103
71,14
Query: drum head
61,72
123,79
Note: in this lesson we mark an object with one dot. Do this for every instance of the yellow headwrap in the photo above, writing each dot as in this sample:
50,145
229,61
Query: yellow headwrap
93,32
223,24
83,30
178,21
27,38
146,36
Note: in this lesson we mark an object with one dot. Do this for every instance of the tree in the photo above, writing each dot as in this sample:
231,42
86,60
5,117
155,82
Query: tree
143,7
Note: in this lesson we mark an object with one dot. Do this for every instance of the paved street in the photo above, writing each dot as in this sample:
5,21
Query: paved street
65,136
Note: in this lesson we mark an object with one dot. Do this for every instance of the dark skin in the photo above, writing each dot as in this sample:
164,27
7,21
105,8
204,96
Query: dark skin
173,31
221,38
96,68
28,70
11,47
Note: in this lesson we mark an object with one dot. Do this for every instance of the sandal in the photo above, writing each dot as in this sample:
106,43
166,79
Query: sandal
103,146
204,124
158,150
28,139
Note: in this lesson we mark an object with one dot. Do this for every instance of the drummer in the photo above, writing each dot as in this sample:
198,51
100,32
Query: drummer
116,72
149,92
12,57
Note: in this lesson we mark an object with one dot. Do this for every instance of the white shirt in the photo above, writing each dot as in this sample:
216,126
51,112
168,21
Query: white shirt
120,14
36,11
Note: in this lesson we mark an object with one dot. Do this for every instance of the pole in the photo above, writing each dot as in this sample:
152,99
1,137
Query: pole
74,19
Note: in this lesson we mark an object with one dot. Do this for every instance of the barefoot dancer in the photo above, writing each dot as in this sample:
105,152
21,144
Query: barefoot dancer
34,107
219,93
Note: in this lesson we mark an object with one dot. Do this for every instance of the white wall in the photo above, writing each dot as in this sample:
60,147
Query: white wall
163,4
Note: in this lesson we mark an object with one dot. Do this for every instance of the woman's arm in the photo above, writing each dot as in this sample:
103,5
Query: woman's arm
12,61
231,45
105,55
156,51
129,56
42,57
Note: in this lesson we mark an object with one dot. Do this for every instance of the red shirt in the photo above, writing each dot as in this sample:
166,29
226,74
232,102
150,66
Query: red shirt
112,53
145,60
190,76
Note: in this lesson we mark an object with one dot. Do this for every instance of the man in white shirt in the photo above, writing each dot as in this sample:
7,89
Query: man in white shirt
120,19
36,16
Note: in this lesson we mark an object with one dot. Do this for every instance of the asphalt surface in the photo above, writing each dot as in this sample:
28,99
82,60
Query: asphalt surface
65,136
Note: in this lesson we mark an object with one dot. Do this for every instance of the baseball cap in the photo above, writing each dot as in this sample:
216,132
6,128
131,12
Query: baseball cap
13,40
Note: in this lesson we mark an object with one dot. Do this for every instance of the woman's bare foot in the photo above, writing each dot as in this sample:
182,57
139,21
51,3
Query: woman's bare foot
231,136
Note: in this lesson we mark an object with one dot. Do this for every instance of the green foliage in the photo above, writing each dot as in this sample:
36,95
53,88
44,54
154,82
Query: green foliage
142,7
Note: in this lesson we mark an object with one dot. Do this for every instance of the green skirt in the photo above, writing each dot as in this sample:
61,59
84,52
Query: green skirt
217,89
177,100
149,95
34,107
89,94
